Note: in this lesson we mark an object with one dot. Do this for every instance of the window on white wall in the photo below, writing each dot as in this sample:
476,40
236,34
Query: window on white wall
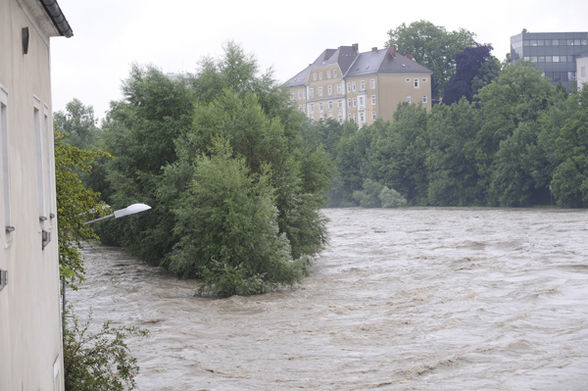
4,172
373,83
40,163
47,132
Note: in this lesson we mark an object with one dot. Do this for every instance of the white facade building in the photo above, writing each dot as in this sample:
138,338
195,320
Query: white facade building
31,355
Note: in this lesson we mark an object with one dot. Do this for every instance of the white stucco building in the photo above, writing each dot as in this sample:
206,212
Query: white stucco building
31,355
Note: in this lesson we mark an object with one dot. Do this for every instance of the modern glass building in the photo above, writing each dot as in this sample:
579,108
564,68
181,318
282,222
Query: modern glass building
554,54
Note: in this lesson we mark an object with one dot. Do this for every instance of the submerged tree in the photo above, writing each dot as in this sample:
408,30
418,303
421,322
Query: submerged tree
163,139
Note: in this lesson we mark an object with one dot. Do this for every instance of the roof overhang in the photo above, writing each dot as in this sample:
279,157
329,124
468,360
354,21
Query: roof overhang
49,17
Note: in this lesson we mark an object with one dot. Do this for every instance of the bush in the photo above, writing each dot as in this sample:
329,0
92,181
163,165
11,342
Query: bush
390,198
376,195
98,361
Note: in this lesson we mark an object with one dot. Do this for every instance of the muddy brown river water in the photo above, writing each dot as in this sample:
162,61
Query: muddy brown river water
401,299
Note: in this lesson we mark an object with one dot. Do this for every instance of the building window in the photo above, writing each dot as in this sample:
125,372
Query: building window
425,99
320,91
320,76
348,87
4,172
328,74
416,83
334,73
330,90
362,85
353,102
314,76
409,99
373,99
312,108
340,104
48,159
340,118
361,100
311,92
321,107
424,80
330,105
339,88
361,117
353,86
373,83
39,153
348,102
374,116
555,58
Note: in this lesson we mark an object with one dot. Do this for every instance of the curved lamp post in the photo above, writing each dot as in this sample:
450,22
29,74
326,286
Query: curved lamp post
129,210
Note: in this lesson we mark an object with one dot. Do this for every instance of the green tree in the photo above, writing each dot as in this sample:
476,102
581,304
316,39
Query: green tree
397,153
570,178
450,160
75,204
139,132
228,228
78,124
432,46
519,95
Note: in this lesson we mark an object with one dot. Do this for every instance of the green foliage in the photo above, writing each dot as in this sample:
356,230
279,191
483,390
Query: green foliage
164,138
432,46
376,195
75,205
228,229
570,178
98,361
139,132
521,142
77,124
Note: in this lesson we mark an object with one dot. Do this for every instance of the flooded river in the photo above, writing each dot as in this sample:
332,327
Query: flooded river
401,299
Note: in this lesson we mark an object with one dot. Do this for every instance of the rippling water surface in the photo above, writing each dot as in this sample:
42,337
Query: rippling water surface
402,299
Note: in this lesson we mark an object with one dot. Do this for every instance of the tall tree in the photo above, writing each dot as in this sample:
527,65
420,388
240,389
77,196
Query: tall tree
432,46
469,65
77,123
139,132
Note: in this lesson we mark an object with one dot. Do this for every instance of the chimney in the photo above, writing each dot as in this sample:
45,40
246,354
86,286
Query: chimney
355,46
393,50
374,49
410,56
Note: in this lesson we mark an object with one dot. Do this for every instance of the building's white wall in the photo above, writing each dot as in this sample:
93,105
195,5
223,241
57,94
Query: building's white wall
30,325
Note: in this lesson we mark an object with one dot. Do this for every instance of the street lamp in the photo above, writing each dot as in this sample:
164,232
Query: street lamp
129,210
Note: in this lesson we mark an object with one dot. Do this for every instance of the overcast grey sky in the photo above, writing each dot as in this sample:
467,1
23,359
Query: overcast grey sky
174,35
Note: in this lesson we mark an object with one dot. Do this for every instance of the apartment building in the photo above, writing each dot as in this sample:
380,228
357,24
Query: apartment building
555,54
344,84
31,355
